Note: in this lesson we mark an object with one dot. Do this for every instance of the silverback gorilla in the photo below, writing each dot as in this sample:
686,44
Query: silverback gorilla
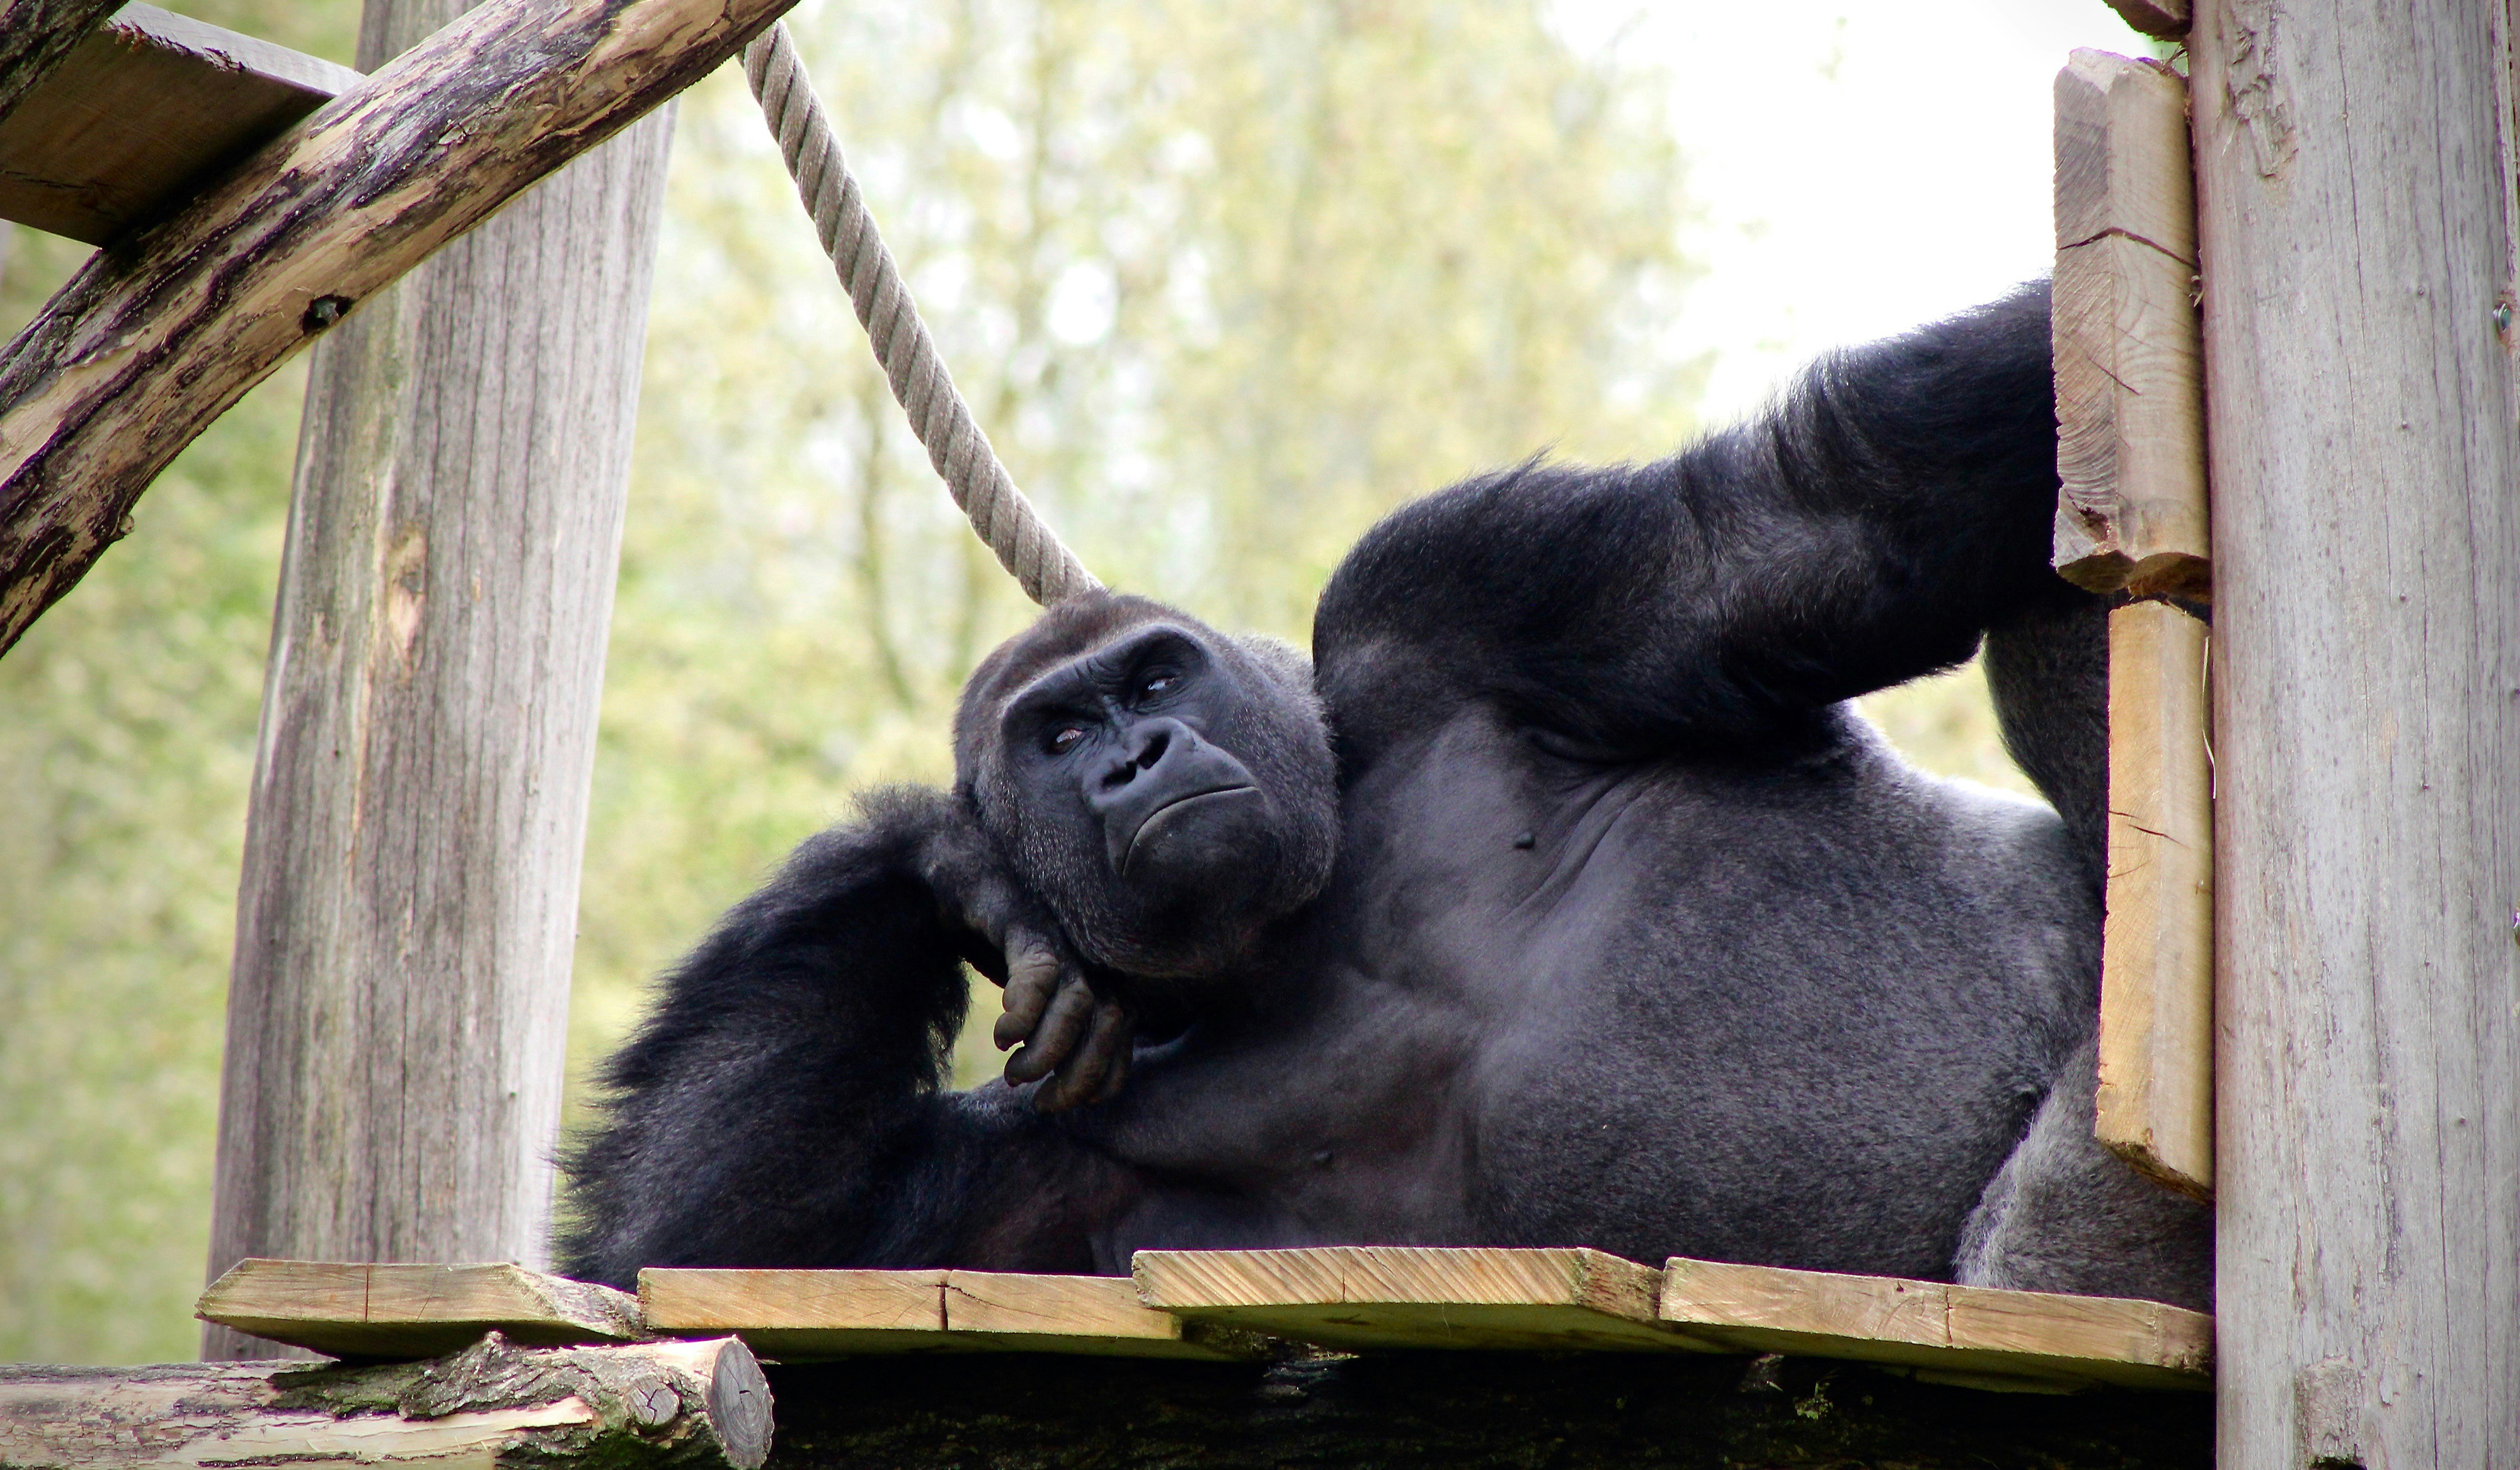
1560,900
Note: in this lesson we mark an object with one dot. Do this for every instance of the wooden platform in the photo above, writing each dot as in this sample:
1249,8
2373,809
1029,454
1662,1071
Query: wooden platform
143,114
796,1316
382,1310
1226,1305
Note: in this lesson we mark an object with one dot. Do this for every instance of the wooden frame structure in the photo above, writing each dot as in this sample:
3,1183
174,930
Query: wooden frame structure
2328,328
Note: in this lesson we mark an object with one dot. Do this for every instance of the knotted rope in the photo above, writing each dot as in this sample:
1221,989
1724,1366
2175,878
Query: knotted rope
999,512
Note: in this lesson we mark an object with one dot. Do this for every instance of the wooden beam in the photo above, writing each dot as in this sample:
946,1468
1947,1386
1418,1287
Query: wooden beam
1963,1334
35,36
1359,1297
147,343
406,911
701,1404
2156,1095
2355,183
399,1310
2130,443
142,115
799,1314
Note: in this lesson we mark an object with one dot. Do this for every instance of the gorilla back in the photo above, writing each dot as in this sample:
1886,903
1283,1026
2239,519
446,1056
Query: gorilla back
1561,900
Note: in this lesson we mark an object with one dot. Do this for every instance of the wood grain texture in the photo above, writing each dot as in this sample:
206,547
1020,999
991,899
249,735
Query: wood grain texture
2354,171
151,341
1357,1296
403,1310
2130,445
407,913
802,1314
145,112
647,1404
1970,1334
36,37
2155,1106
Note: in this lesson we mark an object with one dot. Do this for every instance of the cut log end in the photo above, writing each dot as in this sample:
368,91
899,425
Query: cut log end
2106,569
2167,20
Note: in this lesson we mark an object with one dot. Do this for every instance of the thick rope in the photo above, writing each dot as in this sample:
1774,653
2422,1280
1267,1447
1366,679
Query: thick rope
999,512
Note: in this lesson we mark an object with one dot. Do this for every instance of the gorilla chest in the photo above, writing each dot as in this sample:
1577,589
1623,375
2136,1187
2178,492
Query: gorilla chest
1652,1008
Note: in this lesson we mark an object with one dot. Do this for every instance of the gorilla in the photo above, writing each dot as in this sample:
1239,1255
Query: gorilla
1559,899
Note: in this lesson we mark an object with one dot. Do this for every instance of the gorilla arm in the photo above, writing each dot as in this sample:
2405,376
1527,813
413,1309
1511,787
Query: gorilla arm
781,1105
1864,529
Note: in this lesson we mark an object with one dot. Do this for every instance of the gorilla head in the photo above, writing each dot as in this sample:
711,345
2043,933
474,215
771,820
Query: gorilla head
1169,791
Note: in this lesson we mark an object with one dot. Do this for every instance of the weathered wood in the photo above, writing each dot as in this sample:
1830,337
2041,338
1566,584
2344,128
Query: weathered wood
145,111
1963,1333
35,36
397,1011
792,1314
2130,443
149,343
2156,1095
697,1404
2354,177
1458,1411
1357,1296
401,1311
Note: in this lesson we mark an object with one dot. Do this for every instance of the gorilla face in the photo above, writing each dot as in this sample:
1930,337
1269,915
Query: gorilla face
1168,791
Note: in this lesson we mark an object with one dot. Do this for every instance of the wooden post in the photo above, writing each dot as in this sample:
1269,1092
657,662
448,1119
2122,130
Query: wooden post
405,922
2354,177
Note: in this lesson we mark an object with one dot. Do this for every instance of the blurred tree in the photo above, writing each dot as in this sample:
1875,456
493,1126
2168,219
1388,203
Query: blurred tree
126,749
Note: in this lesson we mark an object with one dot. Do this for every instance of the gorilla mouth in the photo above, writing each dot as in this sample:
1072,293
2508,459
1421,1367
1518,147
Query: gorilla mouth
1162,816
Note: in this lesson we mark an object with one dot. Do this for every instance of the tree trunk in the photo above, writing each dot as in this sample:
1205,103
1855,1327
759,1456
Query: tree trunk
695,1404
2355,176
398,1007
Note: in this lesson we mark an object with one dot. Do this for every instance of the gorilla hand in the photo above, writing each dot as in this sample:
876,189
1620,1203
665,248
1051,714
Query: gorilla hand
1071,1035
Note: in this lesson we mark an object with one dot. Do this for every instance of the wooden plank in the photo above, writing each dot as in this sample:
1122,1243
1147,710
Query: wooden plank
145,111
152,341
404,1310
1417,1297
495,1402
795,1315
1975,1334
35,36
2355,183
2130,447
2156,1094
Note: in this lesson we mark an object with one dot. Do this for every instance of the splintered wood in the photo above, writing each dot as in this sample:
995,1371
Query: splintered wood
1418,1296
832,1313
2156,1097
400,1310
2129,406
1963,1334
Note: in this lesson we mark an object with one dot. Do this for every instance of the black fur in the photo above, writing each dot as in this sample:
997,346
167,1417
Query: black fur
1576,909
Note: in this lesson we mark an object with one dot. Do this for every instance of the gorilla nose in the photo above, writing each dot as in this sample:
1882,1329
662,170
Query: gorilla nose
1143,749
1160,763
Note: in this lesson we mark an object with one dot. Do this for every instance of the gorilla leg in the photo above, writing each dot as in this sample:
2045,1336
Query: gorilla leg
2049,671
2065,1214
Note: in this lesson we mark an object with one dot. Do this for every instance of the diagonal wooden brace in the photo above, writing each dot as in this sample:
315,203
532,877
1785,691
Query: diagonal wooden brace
155,337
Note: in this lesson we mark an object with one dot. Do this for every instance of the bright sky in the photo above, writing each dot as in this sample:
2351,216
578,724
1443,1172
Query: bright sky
1864,164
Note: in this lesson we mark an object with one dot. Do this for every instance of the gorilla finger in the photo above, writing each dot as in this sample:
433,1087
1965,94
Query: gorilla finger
1081,1080
1051,1040
1118,1071
1032,979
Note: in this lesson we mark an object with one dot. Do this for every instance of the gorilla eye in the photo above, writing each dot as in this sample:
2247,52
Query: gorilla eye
1157,684
1064,739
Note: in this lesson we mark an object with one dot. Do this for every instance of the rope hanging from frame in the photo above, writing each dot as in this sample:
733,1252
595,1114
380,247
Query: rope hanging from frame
1000,515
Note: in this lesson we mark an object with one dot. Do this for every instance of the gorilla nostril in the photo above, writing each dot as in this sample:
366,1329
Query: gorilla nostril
1156,744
